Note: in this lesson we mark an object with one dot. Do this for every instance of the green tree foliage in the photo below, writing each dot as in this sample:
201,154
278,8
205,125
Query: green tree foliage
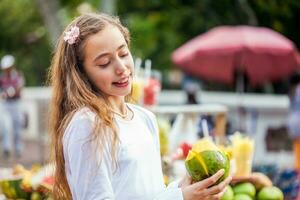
23,35
282,16
157,27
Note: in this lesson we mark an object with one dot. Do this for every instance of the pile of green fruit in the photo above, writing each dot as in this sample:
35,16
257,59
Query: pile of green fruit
247,191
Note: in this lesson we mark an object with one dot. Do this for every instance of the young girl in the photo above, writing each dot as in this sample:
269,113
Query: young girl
105,148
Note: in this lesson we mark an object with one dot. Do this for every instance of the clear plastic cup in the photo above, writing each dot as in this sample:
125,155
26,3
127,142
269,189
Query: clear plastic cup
151,91
243,151
137,90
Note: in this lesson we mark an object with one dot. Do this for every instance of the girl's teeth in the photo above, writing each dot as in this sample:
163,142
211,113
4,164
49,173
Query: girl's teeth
123,81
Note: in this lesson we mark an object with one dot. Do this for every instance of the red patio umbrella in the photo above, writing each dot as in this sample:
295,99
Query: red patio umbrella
260,53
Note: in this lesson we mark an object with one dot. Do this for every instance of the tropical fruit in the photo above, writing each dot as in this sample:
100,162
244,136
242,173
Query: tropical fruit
21,183
270,193
245,188
36,196
205,159
260,180
164,129
242,197
185,148
228,195
12,188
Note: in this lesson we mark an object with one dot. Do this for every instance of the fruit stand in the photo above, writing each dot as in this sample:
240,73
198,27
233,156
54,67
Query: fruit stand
182,150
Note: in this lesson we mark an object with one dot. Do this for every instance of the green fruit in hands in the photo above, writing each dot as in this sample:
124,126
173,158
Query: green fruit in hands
245,188
242,197
205,159
270,193
228,195
205,164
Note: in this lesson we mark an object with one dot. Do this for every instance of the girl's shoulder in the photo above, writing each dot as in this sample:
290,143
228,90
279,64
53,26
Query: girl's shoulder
81,123
83,114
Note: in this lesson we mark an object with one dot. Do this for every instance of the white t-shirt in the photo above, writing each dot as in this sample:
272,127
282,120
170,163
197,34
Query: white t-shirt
138,175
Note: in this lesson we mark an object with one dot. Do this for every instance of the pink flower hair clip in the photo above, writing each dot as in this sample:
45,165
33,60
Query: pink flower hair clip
72,35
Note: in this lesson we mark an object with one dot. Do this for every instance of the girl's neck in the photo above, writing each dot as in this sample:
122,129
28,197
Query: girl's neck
118,104
120,109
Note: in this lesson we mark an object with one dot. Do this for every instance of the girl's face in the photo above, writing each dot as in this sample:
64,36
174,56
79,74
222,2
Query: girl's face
108,62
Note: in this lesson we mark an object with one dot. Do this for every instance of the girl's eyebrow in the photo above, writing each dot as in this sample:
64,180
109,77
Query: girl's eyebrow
104,54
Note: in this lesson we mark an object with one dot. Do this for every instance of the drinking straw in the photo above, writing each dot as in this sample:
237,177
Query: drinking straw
147,69
137,65
205,128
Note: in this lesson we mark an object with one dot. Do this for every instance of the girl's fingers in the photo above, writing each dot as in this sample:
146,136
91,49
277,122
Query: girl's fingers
187,180
218,188
219,195
209,181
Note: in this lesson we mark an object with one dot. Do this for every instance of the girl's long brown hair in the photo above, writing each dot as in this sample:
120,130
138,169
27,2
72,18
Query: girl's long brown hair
71,91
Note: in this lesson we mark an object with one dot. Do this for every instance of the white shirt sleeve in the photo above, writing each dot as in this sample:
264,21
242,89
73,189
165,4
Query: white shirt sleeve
172,192
87,179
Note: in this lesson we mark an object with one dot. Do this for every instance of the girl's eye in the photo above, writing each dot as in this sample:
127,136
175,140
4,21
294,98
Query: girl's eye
124,54
104,65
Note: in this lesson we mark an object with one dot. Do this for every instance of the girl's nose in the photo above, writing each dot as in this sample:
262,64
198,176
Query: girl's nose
120,66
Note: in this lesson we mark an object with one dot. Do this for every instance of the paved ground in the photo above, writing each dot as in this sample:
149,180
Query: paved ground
33,153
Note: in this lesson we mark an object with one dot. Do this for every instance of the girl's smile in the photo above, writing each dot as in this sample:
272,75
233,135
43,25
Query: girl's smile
122,83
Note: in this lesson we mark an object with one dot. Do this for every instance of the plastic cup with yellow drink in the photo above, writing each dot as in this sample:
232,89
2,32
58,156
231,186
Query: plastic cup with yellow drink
138,83
242,152
137,90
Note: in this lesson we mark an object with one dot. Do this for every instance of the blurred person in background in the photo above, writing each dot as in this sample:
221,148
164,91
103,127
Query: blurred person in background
191,87
294,117
5,129
11,84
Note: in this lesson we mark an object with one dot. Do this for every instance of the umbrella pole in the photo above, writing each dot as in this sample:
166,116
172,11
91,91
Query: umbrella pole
240,89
